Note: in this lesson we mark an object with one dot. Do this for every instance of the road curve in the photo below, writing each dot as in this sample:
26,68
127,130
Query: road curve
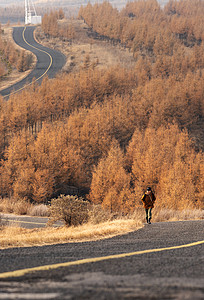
49,61
27,221
172,268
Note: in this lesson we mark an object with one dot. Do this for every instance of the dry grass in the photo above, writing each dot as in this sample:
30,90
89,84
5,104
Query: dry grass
22,207
40,210
11,205
170,215
177,215
11,236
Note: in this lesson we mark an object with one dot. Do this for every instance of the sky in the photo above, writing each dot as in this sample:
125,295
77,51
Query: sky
115,3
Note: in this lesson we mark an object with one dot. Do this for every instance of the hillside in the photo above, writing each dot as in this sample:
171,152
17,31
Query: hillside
121,115
86,43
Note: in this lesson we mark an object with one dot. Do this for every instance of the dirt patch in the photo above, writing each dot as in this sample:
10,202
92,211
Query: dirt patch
84,48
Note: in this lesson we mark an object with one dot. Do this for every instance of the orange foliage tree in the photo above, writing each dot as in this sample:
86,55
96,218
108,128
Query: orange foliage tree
110,185
52,27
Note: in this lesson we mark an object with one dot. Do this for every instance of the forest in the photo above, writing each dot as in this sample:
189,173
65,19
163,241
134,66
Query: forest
112,132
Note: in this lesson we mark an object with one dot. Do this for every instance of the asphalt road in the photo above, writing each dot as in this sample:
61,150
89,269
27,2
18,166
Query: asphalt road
26,221
49,61
175,273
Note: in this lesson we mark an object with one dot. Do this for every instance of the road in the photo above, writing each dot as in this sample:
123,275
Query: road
27,221
160,261
49,61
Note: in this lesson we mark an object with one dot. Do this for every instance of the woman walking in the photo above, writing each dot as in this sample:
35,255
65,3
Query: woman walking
148,200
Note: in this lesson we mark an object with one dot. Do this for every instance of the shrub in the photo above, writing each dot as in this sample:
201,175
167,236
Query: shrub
40,210
71,209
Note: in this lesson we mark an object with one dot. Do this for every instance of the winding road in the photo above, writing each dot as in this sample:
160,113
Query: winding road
49,61
160,261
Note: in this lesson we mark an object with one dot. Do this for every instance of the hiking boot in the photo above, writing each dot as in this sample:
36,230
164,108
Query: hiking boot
149,222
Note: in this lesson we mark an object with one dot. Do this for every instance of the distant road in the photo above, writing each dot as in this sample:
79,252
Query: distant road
49,61
26,221
160,261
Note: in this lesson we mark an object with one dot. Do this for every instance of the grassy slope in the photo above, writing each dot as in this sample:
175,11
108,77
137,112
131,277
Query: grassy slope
12,236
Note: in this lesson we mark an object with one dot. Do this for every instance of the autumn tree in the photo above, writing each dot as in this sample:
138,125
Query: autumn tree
165,159
110,185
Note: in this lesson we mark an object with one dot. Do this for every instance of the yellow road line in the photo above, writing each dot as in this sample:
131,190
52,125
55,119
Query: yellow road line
18,221
51,62
19,273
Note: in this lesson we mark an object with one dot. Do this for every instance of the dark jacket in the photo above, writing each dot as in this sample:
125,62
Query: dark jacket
148,200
